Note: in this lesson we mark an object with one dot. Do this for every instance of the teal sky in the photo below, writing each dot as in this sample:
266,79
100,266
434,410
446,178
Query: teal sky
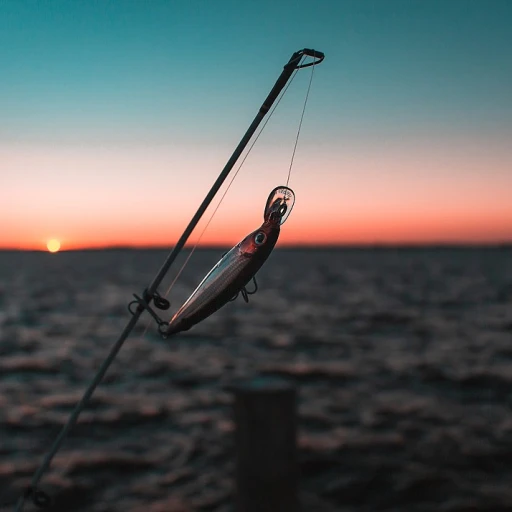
132,100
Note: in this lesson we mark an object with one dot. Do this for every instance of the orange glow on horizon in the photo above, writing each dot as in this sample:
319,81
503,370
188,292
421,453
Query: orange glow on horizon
414,192
390,228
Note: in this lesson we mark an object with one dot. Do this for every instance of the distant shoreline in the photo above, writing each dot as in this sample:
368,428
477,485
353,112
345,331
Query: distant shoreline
338,247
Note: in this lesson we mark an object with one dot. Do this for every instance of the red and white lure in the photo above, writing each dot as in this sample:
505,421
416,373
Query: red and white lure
236,268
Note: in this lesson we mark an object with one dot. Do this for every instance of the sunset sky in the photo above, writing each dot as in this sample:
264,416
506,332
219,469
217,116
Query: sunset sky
117,116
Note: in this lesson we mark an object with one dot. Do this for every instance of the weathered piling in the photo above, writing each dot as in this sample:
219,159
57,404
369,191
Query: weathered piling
265,413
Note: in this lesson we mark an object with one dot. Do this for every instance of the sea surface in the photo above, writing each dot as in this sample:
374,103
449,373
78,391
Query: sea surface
402,359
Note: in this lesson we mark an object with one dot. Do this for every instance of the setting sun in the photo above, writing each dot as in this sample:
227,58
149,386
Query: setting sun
53,245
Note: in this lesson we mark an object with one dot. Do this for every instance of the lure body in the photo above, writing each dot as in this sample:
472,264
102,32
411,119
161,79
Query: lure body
237,267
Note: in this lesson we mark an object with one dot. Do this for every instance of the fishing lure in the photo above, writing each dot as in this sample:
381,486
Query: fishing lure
237,267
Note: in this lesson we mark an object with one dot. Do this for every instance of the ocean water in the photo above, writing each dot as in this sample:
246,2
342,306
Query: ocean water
402,358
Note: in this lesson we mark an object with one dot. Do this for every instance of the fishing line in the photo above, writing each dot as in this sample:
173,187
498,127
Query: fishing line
187,259
185,263
300,124
232,180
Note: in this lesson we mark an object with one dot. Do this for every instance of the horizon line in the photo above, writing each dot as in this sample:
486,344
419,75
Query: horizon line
343,245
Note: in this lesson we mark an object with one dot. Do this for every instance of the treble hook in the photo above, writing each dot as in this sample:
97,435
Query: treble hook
245,292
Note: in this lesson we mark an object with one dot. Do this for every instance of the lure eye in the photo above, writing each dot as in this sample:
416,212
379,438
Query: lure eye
260,238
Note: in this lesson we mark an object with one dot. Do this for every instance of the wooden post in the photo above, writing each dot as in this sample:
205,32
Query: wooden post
266,446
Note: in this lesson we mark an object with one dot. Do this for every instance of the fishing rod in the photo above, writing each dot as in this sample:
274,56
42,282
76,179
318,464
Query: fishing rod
150,294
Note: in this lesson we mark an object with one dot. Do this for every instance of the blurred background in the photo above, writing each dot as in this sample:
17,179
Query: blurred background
402,359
